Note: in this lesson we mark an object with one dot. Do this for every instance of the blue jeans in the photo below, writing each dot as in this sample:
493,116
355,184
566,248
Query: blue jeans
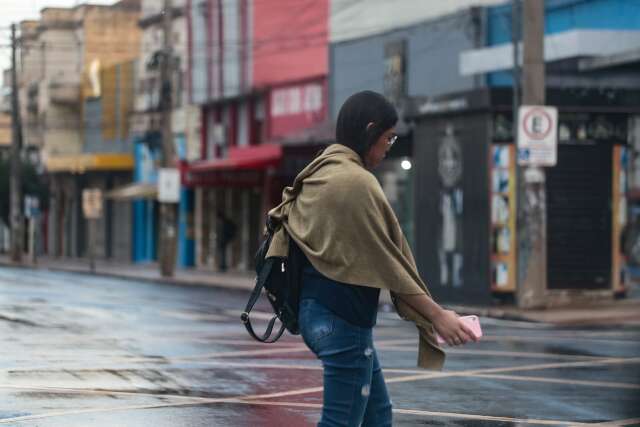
354,390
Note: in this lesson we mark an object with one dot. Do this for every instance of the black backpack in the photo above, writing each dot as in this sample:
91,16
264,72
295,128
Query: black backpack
281,278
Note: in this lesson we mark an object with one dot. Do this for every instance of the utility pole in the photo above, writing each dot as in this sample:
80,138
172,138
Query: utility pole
532,224
516,15
16,151
168,228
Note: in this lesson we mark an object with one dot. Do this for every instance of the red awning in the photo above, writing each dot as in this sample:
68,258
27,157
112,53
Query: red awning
255,157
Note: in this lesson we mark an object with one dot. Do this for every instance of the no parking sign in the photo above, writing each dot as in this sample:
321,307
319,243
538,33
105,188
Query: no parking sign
537,135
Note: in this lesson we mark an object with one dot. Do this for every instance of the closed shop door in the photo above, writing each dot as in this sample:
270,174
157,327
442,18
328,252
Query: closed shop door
579,218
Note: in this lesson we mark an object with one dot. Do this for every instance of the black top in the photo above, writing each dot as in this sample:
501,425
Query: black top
357,305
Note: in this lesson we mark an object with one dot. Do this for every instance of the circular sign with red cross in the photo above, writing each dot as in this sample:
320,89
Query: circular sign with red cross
537,135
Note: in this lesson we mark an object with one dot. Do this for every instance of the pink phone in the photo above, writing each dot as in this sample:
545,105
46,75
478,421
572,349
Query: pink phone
472,322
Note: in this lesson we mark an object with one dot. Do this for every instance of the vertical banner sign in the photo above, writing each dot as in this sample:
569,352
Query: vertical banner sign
537,135
395,88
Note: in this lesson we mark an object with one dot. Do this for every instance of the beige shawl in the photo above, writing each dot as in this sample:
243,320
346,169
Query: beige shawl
338,214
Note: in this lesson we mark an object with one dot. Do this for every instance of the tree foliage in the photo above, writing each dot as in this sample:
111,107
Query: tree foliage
33,184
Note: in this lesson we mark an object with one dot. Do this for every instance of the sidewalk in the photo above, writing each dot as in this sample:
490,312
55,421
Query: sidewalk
606,312
148,272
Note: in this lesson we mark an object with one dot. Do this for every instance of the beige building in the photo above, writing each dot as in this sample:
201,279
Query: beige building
185,118
62,57
5,134
57,51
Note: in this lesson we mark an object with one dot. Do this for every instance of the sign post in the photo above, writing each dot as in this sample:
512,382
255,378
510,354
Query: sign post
537,136
168,185
537,145
32,211
168,196
92,209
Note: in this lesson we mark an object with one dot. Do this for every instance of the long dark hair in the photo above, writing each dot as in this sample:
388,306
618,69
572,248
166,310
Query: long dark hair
356,113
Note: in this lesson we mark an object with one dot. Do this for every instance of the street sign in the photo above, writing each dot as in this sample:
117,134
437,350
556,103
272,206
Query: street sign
168,185
537,135
92,203
31,206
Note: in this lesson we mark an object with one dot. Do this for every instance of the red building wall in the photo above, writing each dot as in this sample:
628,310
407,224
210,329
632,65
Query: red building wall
290,41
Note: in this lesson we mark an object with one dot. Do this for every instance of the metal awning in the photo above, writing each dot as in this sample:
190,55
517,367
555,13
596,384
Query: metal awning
256,157
81,163
569,44
136,190
622,59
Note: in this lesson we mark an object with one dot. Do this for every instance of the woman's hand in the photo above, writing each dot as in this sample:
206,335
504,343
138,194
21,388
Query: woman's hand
447,322
451,328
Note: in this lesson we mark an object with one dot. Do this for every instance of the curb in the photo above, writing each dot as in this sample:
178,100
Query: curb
579,319
160,280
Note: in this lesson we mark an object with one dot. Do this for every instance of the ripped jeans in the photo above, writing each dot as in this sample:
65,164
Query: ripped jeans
355,393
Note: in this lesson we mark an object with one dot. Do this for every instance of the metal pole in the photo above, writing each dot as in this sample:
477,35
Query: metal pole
92,258
16,170
532,227
168,227
32,239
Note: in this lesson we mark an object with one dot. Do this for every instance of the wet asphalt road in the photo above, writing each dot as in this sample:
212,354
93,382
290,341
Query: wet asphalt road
77,350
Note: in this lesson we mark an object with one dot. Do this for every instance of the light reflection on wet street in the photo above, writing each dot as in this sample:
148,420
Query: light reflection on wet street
79,350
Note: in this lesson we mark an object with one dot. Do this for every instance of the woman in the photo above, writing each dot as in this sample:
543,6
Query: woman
338,215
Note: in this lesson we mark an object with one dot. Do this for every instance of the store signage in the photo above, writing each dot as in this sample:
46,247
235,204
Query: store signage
168,185
31,206
537,135
296,108
294,100
92,203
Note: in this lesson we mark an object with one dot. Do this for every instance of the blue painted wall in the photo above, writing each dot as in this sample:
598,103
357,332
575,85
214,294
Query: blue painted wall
561,16
145,212
186,241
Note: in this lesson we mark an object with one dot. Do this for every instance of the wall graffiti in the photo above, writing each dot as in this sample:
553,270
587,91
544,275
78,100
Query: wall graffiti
450,242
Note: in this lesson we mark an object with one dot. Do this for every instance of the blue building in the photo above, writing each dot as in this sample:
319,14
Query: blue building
579,34
146,208
451,78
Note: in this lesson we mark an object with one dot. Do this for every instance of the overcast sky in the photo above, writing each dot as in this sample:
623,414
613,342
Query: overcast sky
18,10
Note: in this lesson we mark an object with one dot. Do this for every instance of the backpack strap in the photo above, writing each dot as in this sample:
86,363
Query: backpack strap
255,294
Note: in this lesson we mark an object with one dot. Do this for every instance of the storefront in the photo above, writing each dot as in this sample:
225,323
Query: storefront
466,193
68,233
243,187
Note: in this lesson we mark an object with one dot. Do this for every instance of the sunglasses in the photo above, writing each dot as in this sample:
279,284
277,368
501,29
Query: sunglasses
391,139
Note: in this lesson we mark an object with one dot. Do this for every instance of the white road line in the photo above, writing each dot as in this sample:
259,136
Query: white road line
532,339
496,353
296,348
472,372
608,384
619,423
261,352
516,421
298,392
111,409
428,414
96,392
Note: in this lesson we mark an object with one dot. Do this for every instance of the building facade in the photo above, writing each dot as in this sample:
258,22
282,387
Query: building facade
146,129
63,56
444,68
471,206
258,71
